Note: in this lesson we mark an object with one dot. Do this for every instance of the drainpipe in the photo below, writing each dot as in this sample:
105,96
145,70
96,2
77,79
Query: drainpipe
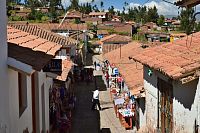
85,43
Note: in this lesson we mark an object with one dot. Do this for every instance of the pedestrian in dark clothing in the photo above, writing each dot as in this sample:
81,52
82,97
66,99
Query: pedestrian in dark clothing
95,65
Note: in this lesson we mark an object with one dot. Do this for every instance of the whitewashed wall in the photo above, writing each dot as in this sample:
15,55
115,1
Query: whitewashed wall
186,106
150,86
18,124
48,82
4,91
103,16
186,99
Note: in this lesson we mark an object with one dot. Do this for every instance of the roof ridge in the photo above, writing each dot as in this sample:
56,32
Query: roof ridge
43,33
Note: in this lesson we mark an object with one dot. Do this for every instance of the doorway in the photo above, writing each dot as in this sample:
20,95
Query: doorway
166,104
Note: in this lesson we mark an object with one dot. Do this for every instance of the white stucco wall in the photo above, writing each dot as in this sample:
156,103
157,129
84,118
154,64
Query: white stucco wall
4,91
102,16
48,82
186,99
150,86
18,124
186,106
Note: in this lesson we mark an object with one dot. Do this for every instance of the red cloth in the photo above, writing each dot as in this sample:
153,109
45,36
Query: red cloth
119,79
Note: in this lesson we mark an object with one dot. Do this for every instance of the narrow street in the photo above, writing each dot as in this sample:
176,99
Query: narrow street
87,121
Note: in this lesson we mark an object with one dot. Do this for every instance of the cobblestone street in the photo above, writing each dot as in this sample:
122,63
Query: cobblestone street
87,121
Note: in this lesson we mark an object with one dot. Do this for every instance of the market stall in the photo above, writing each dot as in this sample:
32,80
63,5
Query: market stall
62,100
124,102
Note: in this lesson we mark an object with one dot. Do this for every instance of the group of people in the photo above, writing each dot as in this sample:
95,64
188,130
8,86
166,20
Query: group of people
61,105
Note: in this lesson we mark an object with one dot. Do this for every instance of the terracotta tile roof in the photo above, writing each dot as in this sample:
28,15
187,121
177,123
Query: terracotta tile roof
102,32
176,60
114,38
116,26
66,67
72,14
131,71
178,34
92,19
64,26
36,59
110,47
45,34
97,13
35,43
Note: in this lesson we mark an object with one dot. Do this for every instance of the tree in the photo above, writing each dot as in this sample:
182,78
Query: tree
101,4
197,27
161,20
54,4
187,20
111,10
152,15
95,8
74,4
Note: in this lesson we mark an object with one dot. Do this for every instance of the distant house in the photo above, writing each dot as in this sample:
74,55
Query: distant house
120,28
144,28
102,33
157,37
116,18
72,15
43,9
102,15
22,12
94,21
114,41
176,25
148,27
172,86
176,36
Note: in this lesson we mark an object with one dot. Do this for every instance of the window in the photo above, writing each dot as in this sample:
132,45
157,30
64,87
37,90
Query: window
22,88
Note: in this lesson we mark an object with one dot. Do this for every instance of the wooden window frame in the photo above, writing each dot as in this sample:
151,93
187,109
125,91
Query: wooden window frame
22,93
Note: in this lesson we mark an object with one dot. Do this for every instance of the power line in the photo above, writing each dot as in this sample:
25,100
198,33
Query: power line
168,2
145,2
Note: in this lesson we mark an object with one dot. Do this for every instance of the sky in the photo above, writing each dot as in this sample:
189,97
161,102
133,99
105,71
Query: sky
163,7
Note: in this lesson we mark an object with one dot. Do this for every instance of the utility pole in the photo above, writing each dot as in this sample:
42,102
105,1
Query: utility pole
85,44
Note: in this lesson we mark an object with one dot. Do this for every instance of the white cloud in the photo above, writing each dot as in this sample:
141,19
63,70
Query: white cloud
163,7
66,3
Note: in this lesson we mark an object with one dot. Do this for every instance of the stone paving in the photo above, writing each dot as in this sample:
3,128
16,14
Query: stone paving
87,121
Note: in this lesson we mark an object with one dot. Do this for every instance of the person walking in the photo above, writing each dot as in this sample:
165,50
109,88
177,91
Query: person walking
95,99
95,65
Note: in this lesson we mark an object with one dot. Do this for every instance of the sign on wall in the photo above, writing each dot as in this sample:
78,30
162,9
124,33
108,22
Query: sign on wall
55,65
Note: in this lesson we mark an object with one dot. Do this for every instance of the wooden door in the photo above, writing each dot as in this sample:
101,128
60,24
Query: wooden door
166,110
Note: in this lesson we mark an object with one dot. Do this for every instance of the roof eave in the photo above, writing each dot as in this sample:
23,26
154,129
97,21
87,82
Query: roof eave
187,3
20,66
